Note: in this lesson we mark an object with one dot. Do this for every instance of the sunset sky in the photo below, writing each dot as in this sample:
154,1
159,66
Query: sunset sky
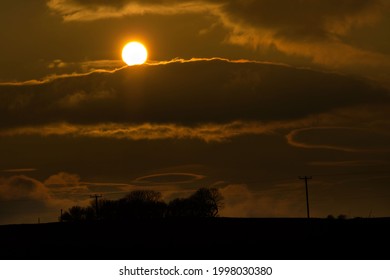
241,95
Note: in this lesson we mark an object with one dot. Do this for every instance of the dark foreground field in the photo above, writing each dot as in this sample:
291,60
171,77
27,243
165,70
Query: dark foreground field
218,238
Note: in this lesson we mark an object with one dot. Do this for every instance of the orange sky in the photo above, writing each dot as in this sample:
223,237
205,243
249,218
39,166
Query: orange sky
242,95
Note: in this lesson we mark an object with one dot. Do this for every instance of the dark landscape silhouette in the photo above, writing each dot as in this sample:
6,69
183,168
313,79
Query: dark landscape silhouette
142,226
148,204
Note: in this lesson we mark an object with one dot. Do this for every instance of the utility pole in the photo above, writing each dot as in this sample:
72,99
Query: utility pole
307,194
61,216
96,196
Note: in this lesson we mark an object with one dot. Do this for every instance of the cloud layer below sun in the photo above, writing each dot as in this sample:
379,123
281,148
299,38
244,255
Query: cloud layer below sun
211,100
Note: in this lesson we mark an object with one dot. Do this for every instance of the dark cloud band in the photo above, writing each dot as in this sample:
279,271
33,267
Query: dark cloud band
187,94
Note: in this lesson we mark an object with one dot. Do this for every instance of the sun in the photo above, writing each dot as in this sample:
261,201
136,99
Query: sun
134,53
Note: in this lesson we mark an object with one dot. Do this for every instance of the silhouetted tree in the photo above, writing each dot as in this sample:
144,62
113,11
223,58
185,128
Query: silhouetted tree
144,196
146,204
90,213
78,213
142,204
342,217
109,209
181,207
205,202
66,217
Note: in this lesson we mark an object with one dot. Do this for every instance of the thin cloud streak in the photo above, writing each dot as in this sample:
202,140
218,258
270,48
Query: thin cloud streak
53,77
87,68
148,131
349,163
169,178
19,170
345,139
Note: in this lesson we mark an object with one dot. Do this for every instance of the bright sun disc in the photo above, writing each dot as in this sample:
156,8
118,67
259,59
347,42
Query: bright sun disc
134,53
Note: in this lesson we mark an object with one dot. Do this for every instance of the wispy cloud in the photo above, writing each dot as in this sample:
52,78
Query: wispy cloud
18,170
349,163
85,66
346,139
73,10
208,133
54,77
169,178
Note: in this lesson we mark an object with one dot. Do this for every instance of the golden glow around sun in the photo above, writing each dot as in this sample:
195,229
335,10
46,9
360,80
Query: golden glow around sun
134,53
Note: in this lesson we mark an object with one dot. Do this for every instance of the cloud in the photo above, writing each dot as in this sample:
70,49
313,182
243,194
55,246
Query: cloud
23,187
212,100
24,199
212,132
168,178
177,97
349,163
240,201
302,16
63,179
85,66
316,30
53,77
344,139
337,16
68,186
207,133
57,189
19,170
57,63
76,10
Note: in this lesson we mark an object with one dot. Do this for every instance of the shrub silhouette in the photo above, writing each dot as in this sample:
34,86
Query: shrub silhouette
180,207
342,217
108,209
142,204
205,202
78,213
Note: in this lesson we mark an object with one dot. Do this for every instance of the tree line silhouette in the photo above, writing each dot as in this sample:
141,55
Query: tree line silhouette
148,204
